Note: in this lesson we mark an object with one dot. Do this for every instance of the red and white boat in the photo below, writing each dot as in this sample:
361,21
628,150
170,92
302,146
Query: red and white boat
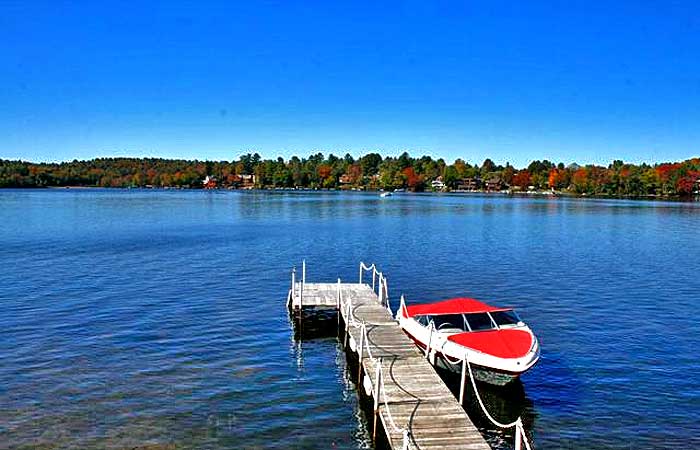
497,344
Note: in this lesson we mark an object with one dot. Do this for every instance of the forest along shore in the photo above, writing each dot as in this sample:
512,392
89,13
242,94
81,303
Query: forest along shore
369,172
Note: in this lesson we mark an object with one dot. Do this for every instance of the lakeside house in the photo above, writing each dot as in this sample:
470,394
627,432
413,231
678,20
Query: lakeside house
469,184
495,184
209,182
437,184
696,187
244,181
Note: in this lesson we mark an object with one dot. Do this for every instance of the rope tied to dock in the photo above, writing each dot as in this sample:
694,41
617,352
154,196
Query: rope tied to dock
518,424
520,435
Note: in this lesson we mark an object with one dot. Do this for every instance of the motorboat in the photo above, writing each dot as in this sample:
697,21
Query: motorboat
497,344
385,194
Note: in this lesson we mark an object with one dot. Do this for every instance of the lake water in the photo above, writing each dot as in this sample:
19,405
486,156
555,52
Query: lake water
157,318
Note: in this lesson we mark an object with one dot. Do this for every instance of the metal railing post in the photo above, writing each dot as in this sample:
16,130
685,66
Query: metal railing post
347,324
430,341
463,382
377,393
361,352
402,304
339,305
361,264
406,440
374,277
301,294
386,294
337,300
294,273
303,271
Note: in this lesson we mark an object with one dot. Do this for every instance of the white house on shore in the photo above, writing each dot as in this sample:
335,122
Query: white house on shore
437,184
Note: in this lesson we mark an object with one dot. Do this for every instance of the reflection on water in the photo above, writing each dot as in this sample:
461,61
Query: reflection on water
309,331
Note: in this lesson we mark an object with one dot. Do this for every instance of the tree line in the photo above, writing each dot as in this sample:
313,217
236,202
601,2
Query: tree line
370,171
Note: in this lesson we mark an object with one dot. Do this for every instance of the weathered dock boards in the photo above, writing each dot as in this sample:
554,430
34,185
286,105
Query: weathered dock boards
410,395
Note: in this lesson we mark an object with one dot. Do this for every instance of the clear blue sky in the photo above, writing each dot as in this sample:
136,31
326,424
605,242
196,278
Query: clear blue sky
515,81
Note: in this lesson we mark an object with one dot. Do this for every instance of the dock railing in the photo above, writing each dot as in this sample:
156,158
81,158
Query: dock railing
379,284
431,352
378,391
297,286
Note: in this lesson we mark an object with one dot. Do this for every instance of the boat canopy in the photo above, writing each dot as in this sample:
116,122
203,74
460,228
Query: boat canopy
461,305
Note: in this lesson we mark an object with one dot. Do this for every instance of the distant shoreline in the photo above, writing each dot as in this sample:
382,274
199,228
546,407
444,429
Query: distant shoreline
371,171
519,194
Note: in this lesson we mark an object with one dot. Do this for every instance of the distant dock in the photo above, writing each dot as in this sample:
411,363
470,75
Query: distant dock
414,407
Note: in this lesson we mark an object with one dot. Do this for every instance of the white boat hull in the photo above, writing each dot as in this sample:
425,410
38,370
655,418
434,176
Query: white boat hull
449,355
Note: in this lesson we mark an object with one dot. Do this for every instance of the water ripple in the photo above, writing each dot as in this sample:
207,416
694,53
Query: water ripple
156,319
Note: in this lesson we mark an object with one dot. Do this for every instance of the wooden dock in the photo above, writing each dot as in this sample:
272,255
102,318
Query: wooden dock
411,402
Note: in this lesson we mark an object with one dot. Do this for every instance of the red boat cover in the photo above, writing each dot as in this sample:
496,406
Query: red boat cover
451,306
500,343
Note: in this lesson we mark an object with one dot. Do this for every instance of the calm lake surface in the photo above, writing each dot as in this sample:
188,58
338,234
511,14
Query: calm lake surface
157,318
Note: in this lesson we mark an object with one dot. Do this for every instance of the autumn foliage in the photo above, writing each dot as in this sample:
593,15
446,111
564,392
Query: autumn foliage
522,179
412,179
324,171
370,171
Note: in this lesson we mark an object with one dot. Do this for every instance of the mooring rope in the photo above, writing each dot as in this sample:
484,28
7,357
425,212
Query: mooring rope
382,391
447,358
481,403
517,423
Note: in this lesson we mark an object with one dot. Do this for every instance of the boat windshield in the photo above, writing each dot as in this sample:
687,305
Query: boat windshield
449,322
505,318
423,319
471,321
480,321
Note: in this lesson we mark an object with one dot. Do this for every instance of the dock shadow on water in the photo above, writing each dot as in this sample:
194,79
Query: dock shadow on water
314,323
